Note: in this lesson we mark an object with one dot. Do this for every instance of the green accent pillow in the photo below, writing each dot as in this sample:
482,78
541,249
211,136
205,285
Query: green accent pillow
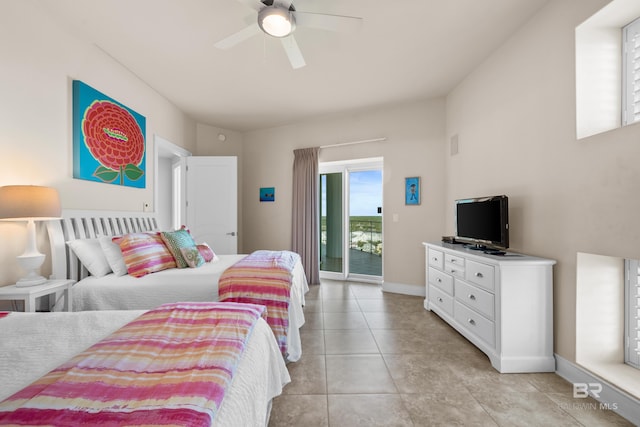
175,240
192,256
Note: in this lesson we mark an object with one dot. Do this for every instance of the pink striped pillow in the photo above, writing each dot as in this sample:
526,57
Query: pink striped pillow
144,253
206,252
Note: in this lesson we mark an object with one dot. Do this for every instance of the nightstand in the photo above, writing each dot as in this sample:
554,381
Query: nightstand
29,294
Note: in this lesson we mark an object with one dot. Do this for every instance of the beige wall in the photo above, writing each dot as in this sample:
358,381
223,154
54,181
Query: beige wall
515,118
39,59
414,147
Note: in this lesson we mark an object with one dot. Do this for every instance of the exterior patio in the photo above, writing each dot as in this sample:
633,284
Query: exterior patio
360,263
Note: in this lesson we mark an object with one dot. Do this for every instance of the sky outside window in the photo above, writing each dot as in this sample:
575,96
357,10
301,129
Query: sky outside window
365,192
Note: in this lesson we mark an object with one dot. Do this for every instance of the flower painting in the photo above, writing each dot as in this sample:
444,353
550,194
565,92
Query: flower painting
108,139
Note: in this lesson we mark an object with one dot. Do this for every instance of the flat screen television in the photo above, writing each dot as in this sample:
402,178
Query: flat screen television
483,222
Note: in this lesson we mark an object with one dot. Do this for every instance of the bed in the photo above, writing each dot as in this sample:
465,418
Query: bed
34,344
125,292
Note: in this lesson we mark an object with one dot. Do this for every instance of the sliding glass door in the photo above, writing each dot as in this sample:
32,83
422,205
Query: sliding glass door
351,219
331,223
365,222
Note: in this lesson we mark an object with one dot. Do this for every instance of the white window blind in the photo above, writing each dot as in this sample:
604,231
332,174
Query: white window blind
631,73
632,313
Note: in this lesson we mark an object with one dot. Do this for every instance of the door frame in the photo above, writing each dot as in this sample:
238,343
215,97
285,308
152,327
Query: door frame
345,167
166,149
173,213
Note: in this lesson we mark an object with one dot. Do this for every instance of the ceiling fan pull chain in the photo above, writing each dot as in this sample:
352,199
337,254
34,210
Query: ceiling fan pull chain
264,49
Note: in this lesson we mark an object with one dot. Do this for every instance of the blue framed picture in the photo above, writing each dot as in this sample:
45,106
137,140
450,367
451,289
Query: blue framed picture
108,139
267,194
412,190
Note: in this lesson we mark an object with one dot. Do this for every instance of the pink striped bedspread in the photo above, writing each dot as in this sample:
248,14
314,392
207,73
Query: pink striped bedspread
263,277
170,366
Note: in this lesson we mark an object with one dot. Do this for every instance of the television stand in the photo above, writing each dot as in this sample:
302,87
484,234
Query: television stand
501,304
494,252
475,247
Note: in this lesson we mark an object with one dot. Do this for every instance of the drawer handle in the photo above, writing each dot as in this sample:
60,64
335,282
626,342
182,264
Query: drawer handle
435,259
439,280
453,261
471,322
453,271
478,274
440,299
472,297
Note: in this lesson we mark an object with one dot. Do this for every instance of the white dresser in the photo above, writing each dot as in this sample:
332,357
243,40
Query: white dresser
503,304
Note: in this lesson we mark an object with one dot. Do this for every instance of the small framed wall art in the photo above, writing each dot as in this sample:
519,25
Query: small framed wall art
412,190
267,194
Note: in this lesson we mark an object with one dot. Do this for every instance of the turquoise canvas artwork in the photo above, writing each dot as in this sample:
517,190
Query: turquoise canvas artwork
108,139
267,194
412,191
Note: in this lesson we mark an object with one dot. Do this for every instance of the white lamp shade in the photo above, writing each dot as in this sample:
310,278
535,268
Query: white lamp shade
21,202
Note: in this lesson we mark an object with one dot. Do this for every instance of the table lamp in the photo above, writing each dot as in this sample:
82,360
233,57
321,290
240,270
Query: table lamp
29,203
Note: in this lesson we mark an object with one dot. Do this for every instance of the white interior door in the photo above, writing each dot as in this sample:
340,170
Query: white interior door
212,201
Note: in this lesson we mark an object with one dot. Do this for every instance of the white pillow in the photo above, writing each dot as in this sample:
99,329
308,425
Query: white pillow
113,255
90,254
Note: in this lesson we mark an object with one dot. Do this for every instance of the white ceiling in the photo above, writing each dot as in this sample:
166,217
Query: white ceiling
406,50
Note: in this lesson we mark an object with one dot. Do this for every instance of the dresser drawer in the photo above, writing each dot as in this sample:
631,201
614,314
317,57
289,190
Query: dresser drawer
475,323
440,299
441,280
480,274
454,259
454,269
435,258
475,298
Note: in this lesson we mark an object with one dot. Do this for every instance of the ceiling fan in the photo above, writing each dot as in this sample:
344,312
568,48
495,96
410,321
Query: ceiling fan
279,18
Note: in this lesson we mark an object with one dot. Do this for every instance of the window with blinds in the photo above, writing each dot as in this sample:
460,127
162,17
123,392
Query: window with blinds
632,313
631,73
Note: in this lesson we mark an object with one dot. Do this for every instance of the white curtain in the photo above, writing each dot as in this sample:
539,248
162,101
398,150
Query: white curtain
305,228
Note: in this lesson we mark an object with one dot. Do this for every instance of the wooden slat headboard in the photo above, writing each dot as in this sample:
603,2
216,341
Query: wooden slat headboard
87,224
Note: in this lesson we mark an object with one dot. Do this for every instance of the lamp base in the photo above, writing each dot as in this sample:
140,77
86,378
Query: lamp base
31,262
30,281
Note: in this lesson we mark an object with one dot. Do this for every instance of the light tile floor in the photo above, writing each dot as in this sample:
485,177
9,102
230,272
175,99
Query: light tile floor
380,359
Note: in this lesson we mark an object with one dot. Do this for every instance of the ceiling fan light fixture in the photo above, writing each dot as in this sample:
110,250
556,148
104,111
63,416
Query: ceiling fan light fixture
276,22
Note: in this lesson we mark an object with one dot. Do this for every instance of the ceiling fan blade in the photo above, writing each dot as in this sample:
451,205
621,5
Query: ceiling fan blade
238,37
256,5
293,52
343,24
284,3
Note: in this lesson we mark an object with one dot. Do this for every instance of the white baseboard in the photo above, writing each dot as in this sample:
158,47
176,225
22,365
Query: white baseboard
404,289
619,401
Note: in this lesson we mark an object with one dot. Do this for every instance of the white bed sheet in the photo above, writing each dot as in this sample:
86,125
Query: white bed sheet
126,292
32,344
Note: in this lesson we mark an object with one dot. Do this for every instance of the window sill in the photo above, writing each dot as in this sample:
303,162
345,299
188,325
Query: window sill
625,377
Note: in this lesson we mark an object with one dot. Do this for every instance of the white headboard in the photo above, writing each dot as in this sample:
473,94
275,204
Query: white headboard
87,224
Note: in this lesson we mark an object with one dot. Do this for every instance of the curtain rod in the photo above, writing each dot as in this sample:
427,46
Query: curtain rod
354,142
